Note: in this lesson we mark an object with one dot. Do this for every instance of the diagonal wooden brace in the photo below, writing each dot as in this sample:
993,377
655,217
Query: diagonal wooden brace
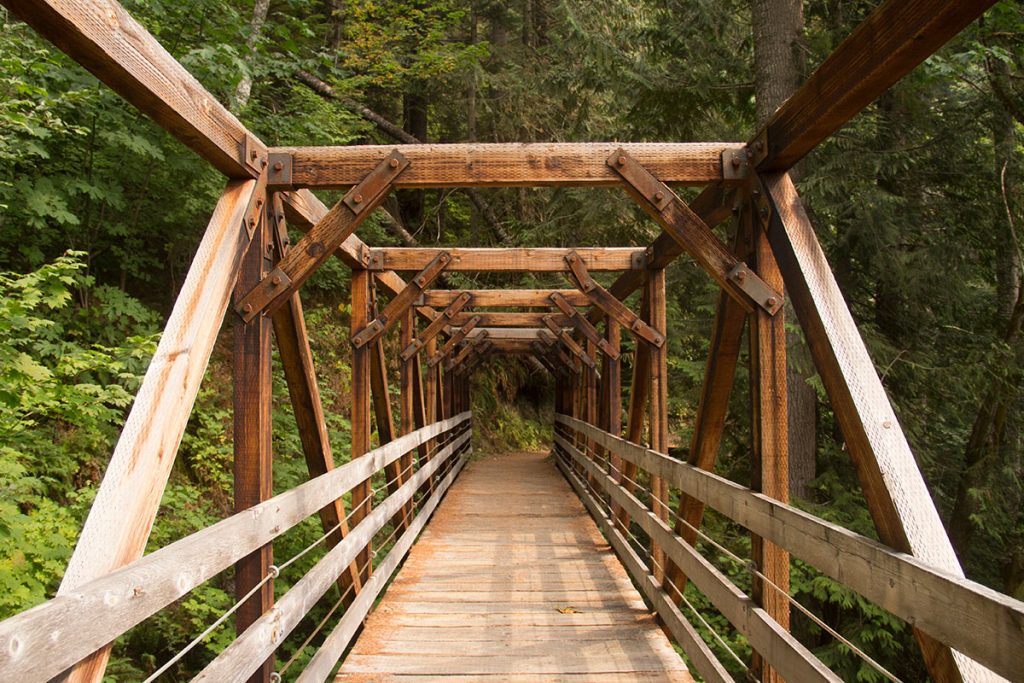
550,359
435,327
396,308
556,349
694,235
608,303
459,335
322,240
475,358
563,336
466,350
583,326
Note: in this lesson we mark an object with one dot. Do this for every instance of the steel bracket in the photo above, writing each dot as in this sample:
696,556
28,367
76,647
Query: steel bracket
279,170
755,288
252,153
262,294
735,165
643,181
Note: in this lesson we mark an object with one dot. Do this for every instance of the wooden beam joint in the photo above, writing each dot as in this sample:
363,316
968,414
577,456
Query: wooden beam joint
401,302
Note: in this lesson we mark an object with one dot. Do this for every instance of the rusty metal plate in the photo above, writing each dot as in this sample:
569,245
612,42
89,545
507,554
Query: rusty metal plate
643,181
260,296
756,288
279,170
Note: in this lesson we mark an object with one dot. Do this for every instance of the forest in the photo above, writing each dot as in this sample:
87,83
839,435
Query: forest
918,203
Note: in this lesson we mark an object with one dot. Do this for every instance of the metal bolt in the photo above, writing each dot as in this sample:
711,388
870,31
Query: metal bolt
736,162
358,198
278,166
253,154
741,275
247,308
621,161
263,163
393,163
887,424
276,280
772,301
659,195
252,222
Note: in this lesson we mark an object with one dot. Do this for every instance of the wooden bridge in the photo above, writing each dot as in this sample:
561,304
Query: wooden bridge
510,580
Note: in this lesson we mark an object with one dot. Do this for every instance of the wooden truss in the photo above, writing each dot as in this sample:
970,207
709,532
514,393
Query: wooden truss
245,267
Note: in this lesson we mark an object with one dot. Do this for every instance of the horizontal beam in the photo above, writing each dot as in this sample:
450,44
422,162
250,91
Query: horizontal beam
989,626
524,259
501,165
502,319
101,36
524,334
523,298
895,38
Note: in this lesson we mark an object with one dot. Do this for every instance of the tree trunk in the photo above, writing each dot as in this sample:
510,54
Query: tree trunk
244,89
778,69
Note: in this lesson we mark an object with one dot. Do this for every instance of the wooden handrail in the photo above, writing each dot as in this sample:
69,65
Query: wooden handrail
778,647
245,655
44,641
989,626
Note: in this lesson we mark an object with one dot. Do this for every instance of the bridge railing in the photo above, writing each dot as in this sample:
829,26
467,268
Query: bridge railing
47,640
983,624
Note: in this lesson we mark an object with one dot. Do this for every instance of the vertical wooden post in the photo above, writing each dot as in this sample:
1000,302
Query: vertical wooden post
639,388
769,434
432,397
361,407
406,397
252,434
658,404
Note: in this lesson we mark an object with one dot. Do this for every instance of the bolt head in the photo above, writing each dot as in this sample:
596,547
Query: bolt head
278,166
741,275
276,280
252,222
621,161
253,154
393,163
659,195
358,198
772,301
735,162
247,308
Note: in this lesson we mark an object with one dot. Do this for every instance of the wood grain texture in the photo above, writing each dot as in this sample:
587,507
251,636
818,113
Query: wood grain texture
263,637
897,496
769,438
101,36
989,624
513,164
502,259
122,515
506,514
304,391
251,435
361,398
896,37
525,298
794,661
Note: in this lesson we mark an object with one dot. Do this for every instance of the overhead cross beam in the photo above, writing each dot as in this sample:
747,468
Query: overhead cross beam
511,259
563,336
582,325
396,308
456,338
471,343
607,302
446,318
498,165
522,298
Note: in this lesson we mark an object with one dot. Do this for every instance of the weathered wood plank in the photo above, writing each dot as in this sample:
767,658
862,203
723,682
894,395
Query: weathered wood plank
506,259
786,654
482,298
989,625
514,164
243,656
361,399
121,517
504,319
320,666
40,643
897,496
251,436
895,38
101,36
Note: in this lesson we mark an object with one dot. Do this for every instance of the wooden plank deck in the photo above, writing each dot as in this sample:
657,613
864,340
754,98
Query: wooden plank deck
512,581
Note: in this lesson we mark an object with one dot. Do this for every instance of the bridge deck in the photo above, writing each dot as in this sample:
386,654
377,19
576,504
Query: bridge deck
512,580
